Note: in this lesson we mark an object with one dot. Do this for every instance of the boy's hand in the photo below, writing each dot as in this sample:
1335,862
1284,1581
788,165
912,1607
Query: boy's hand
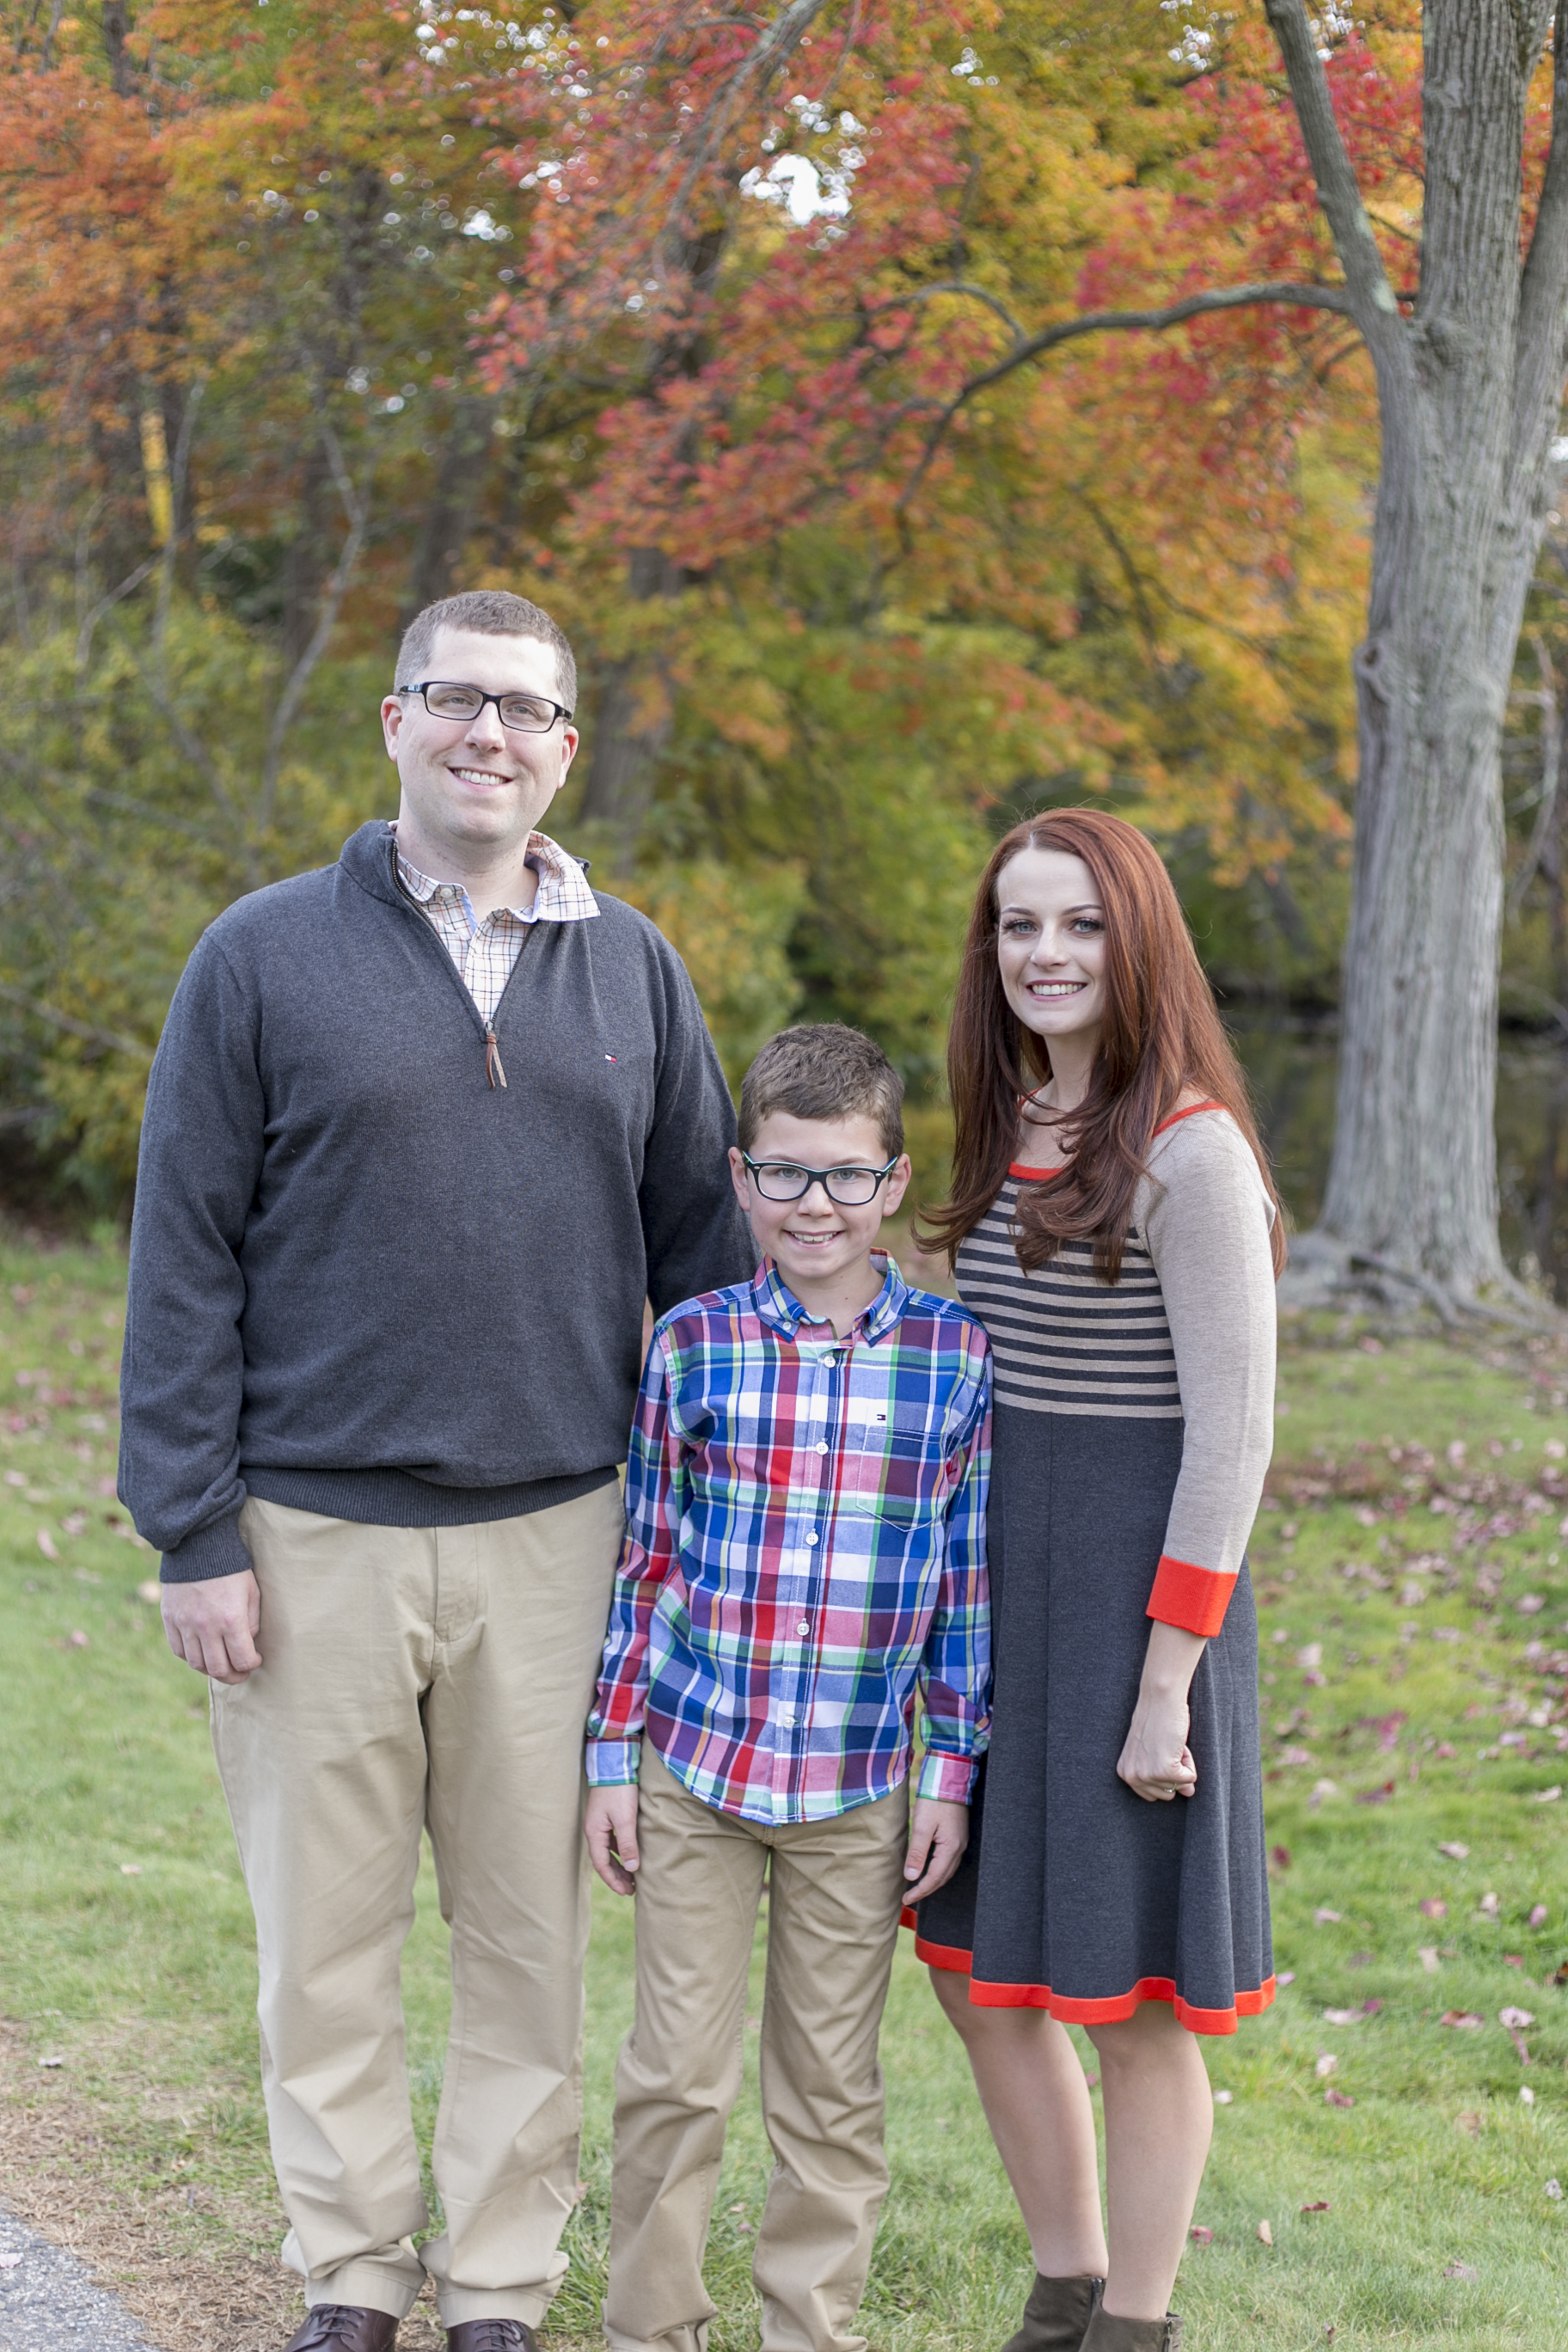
939,1832
610,1826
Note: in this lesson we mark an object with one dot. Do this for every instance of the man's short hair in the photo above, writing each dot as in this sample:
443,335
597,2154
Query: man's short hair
824,1069
490,612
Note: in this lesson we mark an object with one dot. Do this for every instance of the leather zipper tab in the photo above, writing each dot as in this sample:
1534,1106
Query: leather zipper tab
493,1069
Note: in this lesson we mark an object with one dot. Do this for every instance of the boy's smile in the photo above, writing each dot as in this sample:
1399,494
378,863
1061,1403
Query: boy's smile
821,1247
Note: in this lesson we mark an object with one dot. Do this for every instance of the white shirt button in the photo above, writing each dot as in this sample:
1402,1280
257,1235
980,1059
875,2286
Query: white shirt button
805,1626
786,1717
811,1538
822,1445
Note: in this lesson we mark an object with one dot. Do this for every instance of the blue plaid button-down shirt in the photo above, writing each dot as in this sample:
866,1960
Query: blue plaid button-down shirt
804,1554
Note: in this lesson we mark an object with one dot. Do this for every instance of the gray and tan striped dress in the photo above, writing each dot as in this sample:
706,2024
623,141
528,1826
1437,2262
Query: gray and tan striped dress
1132,1427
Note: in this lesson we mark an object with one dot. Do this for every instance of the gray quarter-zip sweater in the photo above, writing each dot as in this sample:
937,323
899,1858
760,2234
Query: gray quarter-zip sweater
364,1281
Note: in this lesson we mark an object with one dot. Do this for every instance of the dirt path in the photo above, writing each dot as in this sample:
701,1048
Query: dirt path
147,2270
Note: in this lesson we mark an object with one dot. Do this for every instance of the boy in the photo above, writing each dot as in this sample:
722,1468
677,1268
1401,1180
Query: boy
804,1550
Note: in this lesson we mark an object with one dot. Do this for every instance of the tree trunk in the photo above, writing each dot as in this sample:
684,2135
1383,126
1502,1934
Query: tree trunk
1470,390
448,519
633,715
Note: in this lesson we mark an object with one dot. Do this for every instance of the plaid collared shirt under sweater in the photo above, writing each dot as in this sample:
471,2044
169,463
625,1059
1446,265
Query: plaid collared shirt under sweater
485,951
805,1553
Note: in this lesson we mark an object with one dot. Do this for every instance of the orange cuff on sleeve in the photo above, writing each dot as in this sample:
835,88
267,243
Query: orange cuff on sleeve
1193,1598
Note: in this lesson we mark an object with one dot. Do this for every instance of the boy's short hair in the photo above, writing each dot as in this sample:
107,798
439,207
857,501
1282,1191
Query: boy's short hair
824,1069
489,612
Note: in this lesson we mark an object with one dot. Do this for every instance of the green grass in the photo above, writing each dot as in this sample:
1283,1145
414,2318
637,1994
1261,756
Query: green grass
141,1980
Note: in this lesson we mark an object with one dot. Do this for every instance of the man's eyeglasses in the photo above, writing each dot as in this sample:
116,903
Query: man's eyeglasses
851,1188
530,714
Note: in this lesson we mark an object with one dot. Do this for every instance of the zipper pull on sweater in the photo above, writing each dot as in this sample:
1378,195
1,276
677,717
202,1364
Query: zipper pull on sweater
493,1069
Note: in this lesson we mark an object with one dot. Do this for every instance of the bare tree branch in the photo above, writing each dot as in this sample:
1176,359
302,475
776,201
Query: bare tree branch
1098,323
111,1038
1541,339
955,285
356,508
756,70
1372,304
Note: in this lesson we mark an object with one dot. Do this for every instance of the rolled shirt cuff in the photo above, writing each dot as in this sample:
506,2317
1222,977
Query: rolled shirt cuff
1193,1598
217,1550
613,1763
950,1779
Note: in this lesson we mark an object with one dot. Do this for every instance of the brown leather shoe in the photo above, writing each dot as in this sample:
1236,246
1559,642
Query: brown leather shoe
490,2336
344,2327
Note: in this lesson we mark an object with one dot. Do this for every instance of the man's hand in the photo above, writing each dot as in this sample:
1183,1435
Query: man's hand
939,1832
610,1826
213,1625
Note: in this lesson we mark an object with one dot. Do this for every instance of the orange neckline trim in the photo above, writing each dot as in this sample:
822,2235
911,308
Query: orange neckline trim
1037,1175
1190,1112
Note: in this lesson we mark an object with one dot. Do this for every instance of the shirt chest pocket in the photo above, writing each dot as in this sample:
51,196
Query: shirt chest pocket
892,1461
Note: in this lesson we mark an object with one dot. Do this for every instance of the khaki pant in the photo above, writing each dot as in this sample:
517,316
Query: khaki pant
835,1887
417,1677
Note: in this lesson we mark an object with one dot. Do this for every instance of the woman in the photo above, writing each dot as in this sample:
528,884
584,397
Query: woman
1114,1225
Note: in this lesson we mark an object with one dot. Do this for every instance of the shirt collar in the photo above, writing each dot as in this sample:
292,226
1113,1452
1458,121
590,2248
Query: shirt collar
778,1306
562,897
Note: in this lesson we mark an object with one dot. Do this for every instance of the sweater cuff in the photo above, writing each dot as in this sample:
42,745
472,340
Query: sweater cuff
214,1550
613,1763
950,1778
1192,1598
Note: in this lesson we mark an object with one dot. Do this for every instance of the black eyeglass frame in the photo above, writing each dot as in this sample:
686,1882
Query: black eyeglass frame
449,718
819,1176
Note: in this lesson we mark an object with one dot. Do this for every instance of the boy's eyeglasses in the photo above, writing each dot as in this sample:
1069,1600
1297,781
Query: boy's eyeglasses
851,1188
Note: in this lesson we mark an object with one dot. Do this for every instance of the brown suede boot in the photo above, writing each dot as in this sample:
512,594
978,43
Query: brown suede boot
1108,2333
1056,2315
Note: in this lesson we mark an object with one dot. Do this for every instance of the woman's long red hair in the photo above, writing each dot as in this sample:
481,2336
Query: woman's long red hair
1161,1038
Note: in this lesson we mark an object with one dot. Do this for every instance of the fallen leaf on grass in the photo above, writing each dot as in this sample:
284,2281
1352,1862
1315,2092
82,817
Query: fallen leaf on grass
1312,1655
152,1592
1469,2122
1464,2017
48,1545
52,2061
1222,2099
1200,2236
1444,1752
1326,2064
1432,1906
1324,1917
1369,2008
1321,1788
1265,2234
77,1641
1427,1956
1526,2096
1515,2020
1284,1977
75,1523
1548,1795
1459,2270
1554,2188
1487,1906
131,1869
1340,2016
1454,1852
1379,1796
1338,2098
1531,1604
1319,2205
1538,1916
1279,1855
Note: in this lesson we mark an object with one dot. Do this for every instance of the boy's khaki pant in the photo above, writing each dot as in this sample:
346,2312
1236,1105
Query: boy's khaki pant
836,1888
414,1677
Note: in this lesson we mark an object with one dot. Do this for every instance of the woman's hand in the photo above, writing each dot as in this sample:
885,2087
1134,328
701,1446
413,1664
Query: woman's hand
1156,1761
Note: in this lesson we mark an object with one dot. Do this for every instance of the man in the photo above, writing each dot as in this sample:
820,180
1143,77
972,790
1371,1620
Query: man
424,1129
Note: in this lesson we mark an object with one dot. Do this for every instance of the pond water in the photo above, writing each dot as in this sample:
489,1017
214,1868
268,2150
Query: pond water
1292,1065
